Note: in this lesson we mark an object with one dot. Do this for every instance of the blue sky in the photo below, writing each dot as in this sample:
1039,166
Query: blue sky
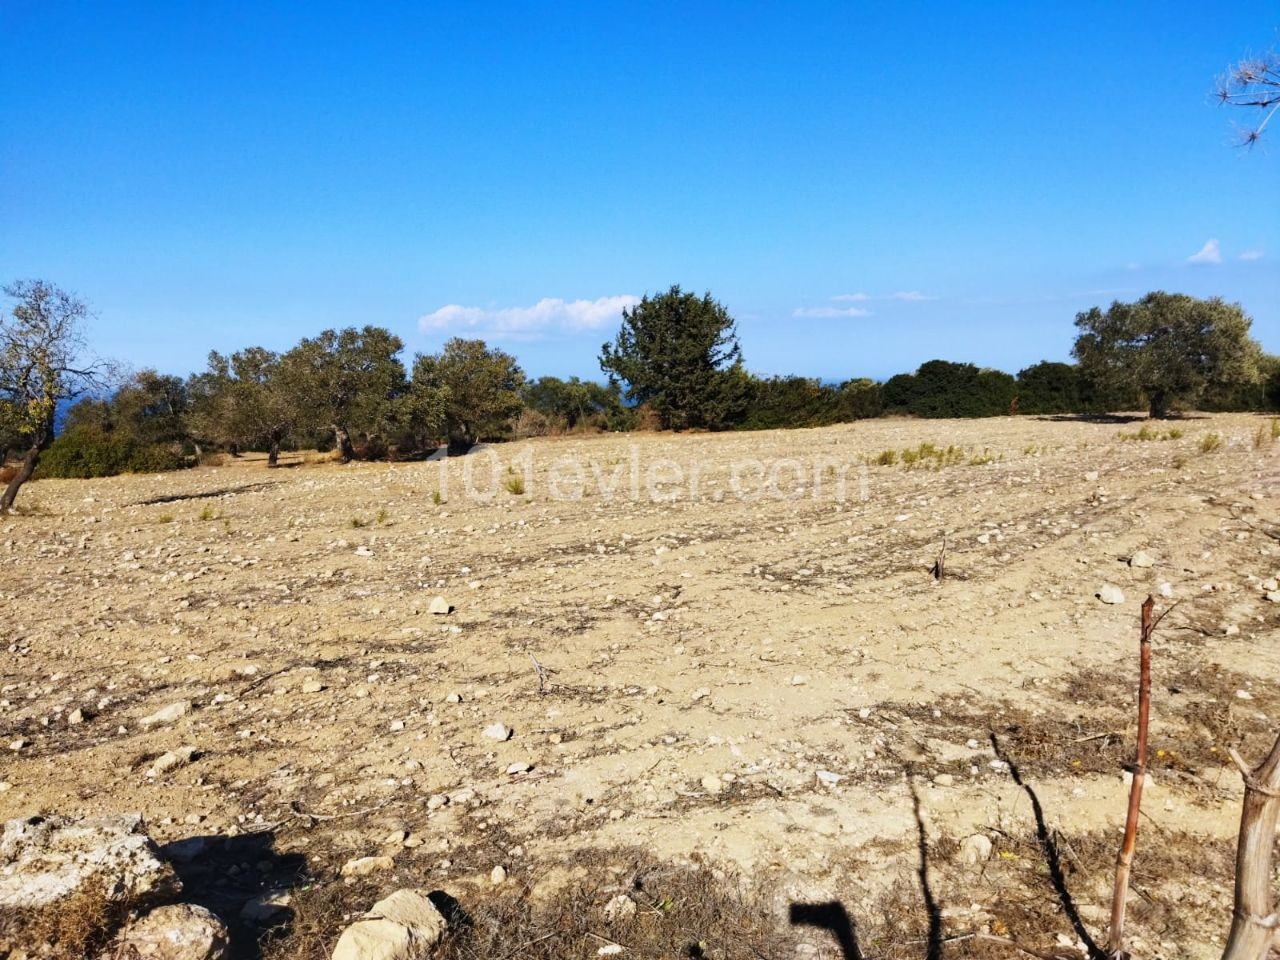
864,185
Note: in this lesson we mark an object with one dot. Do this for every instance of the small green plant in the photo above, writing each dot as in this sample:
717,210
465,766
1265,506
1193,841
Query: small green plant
382,516
208,514
226,524
436,498
1030,450
1174,434
982,459
166,518
1210,442
358,522
886,458
514,484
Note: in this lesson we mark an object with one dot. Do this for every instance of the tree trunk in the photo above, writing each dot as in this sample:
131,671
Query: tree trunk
1159,405
1253,927
346,453
28,467
273,451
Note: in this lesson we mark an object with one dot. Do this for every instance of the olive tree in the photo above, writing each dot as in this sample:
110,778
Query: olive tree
42,366
1170,346
480,387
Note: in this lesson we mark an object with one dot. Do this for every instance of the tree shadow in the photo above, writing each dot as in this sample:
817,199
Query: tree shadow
206,495
1051,856
831,916
223,873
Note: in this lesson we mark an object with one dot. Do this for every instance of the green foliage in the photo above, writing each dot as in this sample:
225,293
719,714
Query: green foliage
345,382
207,513
679,354
437,498
1050,388
1210,442
357,523
90,452
573,403
478,388
886,458
1171,347
1146,434
940,388
514,484
151,407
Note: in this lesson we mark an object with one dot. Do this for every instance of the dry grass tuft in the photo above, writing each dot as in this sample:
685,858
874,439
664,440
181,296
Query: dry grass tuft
682,910
70,929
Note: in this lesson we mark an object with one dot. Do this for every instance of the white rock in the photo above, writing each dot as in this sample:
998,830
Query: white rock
312,686
1273,596
265,906
1142,559
974,849
439,606
1091,476
1110,593
171,760
518,767
712,784
498,875
403,926
829,778
180,931
44,860
496,731
76,716
166,714
1165,590
620,907
363,866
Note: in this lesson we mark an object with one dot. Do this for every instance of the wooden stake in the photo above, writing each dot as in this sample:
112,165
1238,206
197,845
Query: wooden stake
1124,859
1253,927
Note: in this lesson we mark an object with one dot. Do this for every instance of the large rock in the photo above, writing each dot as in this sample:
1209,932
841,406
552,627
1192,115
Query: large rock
47,859
180,931
403,926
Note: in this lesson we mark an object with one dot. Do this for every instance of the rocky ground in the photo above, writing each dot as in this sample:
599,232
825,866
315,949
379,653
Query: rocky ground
750,662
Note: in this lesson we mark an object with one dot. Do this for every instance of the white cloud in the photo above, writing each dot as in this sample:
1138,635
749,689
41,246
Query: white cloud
913,296
1251,255
1209,253
830,312
549,313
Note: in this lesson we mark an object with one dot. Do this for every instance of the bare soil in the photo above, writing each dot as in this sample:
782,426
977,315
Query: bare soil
767,686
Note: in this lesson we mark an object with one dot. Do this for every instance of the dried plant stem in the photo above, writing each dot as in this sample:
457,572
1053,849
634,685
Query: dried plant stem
1124,860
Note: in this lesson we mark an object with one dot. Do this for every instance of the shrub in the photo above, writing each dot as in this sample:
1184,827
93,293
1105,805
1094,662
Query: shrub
886,458
88,451
514,484
1210,442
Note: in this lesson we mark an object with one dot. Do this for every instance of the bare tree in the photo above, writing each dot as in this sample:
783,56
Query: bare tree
41,365
1253,83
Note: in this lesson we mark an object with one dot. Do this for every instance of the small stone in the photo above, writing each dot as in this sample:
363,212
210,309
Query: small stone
1271,584
439,606
312,686
498,875
1273,596
701,693
620,907
712,784
1142,559
166,715
1165,590
829,778
974,849
396,838
1091,476
436,801
518,768
497,731
945,780
1110,593
75,717
179,931
363,866
453,698
265,906
171,760
404,926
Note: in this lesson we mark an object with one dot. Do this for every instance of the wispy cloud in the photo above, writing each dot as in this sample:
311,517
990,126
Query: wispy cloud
1209,253
830,312
548,314
1251,255
912,296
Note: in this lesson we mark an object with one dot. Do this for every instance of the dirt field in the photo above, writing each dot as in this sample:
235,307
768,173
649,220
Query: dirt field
762,674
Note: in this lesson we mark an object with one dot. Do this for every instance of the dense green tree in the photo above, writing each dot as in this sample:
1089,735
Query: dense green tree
42,365
1168,346
1048,387
151,407
571,403
780,402
245,401
679,354
480,387
346,381
860,399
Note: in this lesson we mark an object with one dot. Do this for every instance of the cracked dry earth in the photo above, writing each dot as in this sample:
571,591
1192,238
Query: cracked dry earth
775,682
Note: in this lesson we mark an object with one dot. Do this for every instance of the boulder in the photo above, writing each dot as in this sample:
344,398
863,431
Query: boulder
180,931
46,859
403,926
